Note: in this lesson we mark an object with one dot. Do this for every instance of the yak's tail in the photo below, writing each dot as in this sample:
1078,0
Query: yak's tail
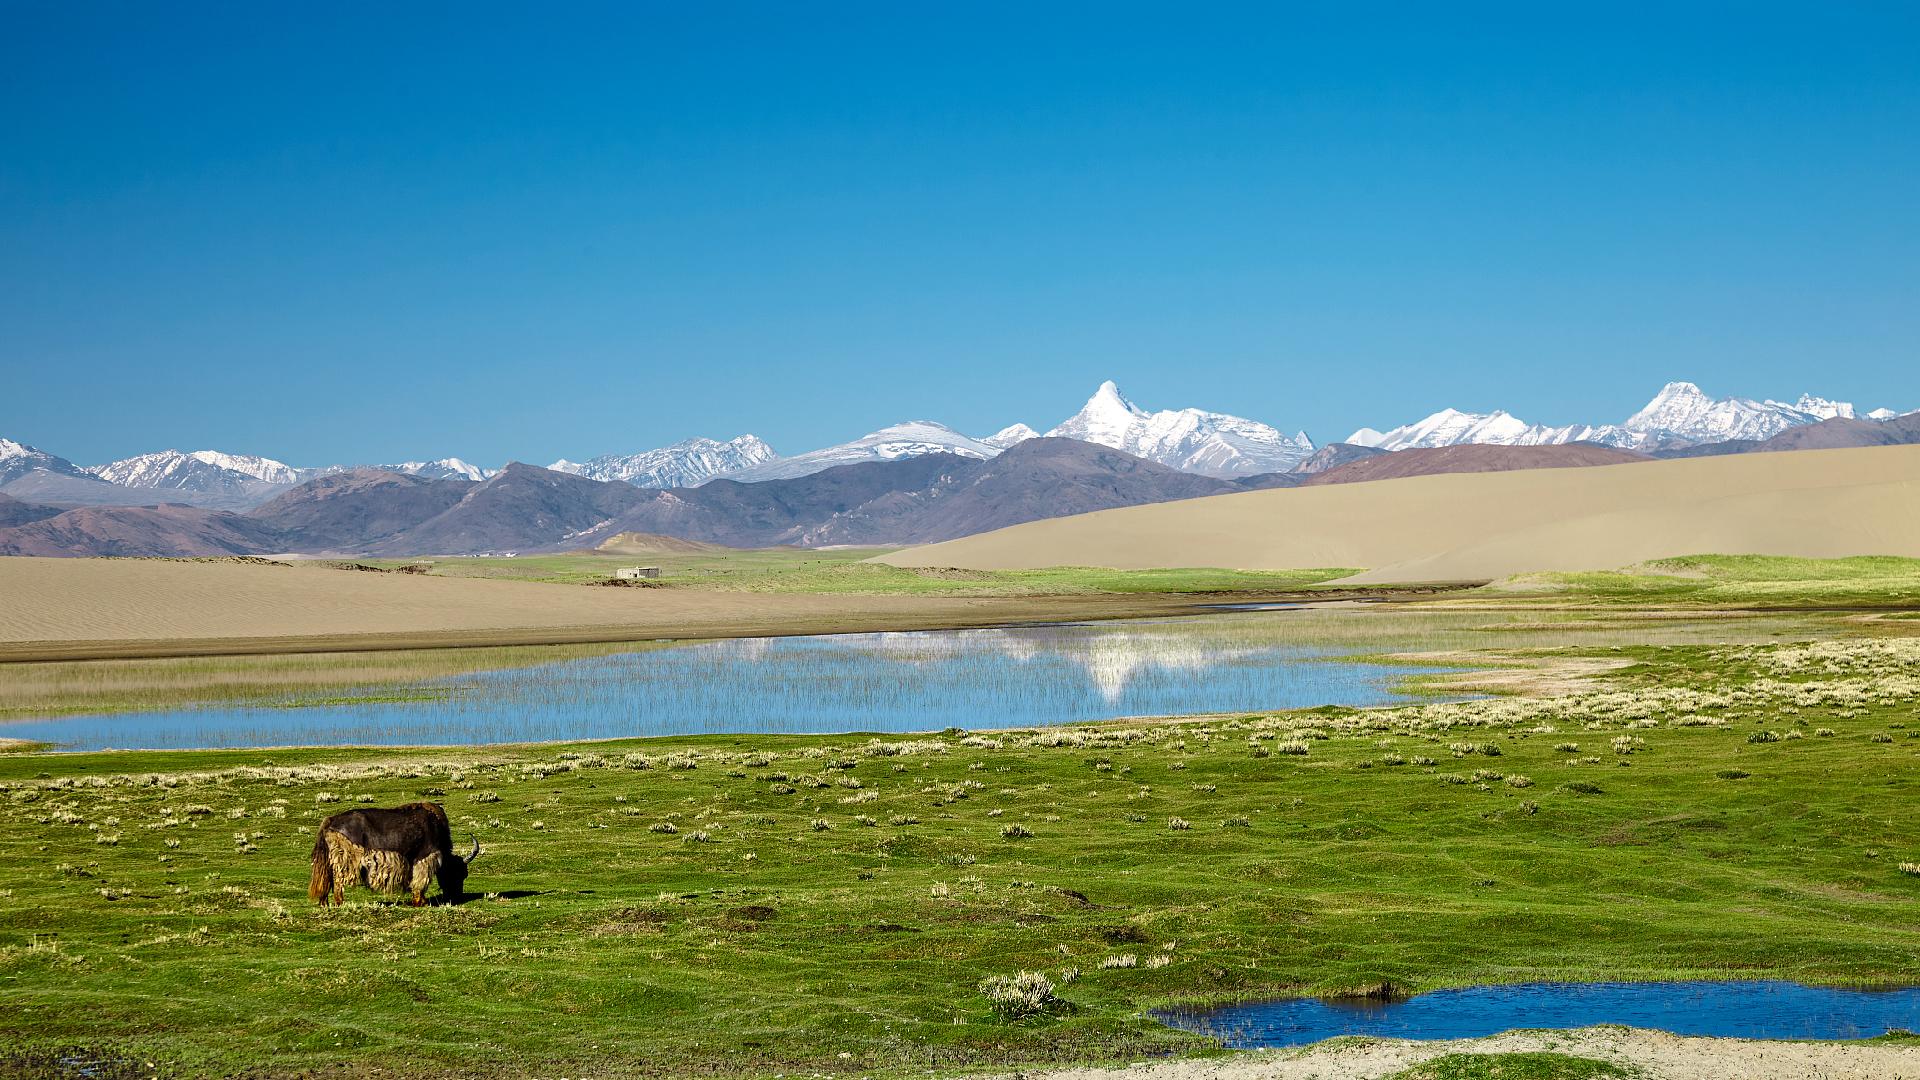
320,882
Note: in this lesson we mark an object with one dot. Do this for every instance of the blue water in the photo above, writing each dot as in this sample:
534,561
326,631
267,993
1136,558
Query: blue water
1748,1010
859,682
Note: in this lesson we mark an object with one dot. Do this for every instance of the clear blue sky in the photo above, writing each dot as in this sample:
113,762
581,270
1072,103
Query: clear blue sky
390,231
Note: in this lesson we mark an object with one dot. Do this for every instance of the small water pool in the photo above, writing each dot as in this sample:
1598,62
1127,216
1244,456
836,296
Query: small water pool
1746,1010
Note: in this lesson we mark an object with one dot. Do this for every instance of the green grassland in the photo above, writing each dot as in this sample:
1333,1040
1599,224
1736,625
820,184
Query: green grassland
756,904
1741,580
844,570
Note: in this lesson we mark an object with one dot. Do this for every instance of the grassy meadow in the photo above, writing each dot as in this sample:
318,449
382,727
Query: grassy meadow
1741,580
835,904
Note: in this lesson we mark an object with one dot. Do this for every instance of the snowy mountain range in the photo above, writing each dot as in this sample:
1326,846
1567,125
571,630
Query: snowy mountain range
201,470
1190,440
684,464
913,438
1681,414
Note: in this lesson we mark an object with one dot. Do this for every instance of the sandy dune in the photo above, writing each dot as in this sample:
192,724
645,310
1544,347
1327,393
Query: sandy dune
56,609
1815,503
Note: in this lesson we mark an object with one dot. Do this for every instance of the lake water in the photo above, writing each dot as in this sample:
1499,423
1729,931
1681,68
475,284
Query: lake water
1747,1010
889,682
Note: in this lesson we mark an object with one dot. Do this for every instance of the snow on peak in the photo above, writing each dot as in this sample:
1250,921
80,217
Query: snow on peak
913,438
688,463
17,459
260,468
1681,414
1010,435
1449,427
202,470
1192,440
447,468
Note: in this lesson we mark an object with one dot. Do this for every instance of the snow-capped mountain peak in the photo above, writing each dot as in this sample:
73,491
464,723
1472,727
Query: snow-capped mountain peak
260,468
1106,418
447,468
912,438
1682,413
1192,440
1010,435
688,463
17,459
208,471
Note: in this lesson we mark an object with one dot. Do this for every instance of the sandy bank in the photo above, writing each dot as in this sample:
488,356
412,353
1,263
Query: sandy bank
1482,526
66,609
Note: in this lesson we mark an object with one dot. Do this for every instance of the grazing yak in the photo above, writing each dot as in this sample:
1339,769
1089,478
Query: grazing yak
391,851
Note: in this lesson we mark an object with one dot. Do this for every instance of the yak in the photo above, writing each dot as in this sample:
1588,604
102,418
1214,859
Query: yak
391,851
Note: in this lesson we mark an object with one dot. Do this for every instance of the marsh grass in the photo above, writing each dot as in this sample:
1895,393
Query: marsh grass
747,941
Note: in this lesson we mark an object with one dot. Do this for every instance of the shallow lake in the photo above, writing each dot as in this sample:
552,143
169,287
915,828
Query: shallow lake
891,682
1748,1010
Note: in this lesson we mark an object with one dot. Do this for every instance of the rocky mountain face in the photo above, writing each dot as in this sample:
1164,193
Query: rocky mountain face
1334,455
1472,458
355,510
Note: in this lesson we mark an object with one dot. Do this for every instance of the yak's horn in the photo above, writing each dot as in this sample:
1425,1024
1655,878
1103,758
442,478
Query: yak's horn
475,853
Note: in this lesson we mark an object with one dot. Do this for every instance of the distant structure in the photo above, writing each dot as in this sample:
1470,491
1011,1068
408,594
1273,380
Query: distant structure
633,573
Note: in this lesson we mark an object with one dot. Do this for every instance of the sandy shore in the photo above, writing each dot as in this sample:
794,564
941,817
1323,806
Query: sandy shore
1657,1055
82,609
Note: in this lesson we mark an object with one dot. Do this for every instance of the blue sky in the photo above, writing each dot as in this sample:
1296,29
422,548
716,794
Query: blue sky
365,234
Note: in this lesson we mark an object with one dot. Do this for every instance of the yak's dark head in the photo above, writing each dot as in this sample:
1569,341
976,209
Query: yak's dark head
453,872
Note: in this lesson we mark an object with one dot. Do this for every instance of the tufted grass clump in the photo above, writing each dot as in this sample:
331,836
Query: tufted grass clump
1763,737
1016,831
1119,960
1022,995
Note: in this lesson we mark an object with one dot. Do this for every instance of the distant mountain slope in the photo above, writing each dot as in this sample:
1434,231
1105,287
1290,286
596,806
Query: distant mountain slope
799,510
170,530
649,544
1471,458
1334,455
517,509
14,512
1037,478
1481,526
353,510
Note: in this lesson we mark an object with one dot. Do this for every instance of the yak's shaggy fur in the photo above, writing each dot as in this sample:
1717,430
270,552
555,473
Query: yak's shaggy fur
402,850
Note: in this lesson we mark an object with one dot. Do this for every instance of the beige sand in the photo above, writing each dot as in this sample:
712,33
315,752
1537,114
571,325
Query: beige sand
1483,526
1659,1057
62,609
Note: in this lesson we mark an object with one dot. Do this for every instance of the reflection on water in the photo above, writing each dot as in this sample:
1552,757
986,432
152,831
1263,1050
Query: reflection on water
1747,1010
1028,675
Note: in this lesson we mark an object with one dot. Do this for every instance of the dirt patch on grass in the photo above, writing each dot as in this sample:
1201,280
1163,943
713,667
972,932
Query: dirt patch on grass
1655,1055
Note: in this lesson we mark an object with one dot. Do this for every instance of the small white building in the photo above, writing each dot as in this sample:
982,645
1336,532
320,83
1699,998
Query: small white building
631,573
